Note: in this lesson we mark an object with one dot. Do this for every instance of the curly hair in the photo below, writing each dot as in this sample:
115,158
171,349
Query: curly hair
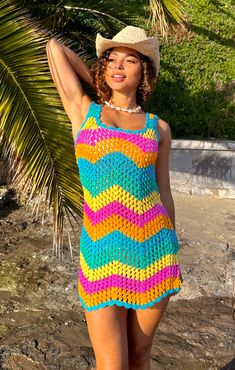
104,92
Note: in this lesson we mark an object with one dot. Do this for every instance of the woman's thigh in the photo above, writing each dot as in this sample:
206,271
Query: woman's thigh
141,326
108,335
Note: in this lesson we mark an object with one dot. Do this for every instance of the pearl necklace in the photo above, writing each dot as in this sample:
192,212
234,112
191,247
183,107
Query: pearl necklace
129,110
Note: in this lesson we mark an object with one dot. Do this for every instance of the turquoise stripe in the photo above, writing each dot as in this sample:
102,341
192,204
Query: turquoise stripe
145,178
108,160
136,254
128,305
139,261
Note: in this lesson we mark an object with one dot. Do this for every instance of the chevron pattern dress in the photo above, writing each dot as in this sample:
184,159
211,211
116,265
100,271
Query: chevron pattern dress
128,246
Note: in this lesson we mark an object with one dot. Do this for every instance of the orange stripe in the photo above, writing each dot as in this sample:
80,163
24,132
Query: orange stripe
128,296
115,222
94,153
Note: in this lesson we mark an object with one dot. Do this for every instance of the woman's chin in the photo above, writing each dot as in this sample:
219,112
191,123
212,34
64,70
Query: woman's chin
120,86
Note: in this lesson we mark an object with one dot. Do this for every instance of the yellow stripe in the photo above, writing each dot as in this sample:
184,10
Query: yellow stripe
124,197
125,270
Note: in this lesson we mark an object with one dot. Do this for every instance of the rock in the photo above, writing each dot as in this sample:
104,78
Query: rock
7,198
22,225
15,361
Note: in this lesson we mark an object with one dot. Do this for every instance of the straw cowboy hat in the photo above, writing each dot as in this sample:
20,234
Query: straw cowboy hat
134,38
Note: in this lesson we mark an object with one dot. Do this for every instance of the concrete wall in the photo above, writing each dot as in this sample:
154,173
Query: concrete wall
196,167
203,167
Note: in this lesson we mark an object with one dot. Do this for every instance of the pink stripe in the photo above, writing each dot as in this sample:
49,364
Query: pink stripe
116,208
128,283
146,144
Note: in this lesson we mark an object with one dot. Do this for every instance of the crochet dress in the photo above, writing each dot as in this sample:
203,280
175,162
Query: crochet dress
128,246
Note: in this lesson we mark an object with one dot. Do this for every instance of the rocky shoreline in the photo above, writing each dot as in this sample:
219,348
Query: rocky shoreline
42,324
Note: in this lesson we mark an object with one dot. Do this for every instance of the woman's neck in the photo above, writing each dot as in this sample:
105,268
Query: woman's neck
124,101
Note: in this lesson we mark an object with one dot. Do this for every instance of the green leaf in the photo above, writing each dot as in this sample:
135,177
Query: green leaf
34,126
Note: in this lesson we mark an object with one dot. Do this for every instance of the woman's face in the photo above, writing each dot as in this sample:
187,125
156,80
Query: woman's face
124,69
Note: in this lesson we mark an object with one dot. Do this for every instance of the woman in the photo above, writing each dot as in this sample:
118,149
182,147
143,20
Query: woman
128,247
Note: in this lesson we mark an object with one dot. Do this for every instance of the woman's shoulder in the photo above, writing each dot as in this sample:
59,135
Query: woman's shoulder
164,130
163,127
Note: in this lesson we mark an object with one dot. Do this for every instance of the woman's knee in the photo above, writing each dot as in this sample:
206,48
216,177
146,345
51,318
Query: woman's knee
114,356
139,355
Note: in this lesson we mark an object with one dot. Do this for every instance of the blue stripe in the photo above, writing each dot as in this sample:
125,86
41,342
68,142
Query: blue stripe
145,178
116,246
129,305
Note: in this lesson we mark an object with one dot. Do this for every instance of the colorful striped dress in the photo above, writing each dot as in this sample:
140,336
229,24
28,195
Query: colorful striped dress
128,246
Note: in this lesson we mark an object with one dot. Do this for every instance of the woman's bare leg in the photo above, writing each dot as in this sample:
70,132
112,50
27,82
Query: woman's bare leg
141,326
108,335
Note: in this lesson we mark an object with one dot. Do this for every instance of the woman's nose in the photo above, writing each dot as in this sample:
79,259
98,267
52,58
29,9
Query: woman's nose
118,65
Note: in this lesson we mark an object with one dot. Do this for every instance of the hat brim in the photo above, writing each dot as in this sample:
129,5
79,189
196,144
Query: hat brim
149,48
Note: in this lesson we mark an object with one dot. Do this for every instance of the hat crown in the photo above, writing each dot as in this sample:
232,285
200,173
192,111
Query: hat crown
130,33
134,38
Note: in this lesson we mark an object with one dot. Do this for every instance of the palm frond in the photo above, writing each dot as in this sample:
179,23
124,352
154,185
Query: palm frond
165,14
80,20
35,131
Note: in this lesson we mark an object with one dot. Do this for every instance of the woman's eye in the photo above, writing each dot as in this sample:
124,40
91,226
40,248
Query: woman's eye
131,60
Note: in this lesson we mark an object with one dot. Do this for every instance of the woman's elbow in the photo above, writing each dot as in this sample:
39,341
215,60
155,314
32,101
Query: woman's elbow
51,43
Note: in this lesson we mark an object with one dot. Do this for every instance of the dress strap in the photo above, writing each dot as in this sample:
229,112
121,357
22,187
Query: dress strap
153,123
91,112
91,109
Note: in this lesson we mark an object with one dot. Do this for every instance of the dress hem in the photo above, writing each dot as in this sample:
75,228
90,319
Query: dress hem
129,305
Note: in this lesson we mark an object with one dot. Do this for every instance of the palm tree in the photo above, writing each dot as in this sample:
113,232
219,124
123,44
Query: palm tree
81,20
35,133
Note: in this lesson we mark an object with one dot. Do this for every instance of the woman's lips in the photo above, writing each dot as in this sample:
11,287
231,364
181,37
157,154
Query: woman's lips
118,78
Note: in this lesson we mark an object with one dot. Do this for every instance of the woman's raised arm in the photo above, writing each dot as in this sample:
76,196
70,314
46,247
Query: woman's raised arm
67,69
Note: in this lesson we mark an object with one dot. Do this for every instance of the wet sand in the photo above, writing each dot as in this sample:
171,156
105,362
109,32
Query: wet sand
42,324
